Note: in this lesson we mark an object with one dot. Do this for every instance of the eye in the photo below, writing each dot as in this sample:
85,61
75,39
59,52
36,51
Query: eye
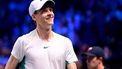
44,10
90,58
51,9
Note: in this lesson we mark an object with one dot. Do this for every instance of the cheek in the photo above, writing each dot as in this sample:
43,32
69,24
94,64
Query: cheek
40,18
94,63
91,63
43,15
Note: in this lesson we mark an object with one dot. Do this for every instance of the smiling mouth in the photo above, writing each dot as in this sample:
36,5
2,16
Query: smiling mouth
50,18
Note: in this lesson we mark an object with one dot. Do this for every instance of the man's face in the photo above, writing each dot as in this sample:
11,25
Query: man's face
44,17
92,62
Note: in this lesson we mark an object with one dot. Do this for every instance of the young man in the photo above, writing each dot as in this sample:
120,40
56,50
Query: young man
42,48
95,57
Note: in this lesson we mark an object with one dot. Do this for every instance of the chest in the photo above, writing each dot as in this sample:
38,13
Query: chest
45,51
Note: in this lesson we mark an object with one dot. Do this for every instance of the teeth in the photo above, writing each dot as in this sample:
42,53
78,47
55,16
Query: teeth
51,16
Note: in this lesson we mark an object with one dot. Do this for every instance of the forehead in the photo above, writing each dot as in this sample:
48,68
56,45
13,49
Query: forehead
91,58
42,10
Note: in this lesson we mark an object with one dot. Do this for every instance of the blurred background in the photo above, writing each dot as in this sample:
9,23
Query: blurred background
86,22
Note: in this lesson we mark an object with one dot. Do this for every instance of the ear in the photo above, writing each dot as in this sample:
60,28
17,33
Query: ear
33,17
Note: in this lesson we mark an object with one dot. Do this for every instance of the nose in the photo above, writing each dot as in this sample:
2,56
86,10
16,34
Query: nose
50,15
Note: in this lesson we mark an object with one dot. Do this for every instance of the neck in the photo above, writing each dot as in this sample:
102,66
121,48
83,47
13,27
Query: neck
45,33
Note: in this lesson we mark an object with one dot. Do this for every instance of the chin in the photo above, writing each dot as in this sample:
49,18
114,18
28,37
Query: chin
50,24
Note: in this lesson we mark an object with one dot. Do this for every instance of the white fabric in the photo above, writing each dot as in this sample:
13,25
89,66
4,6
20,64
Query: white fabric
36,5
44,55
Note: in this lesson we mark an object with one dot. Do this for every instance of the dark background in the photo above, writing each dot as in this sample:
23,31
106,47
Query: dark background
86,22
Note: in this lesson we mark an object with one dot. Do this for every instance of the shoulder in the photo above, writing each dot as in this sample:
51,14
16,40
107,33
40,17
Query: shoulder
27,37
61,37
